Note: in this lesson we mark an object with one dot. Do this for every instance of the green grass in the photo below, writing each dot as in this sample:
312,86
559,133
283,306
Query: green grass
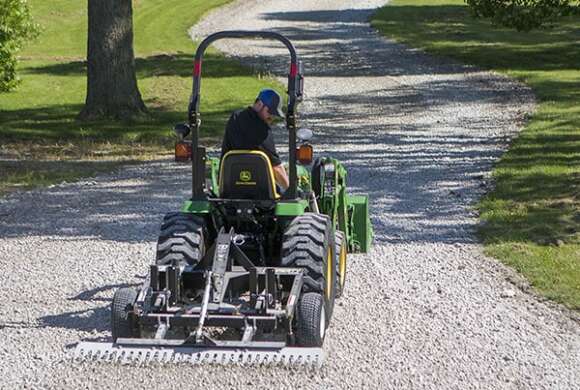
531,219
38,121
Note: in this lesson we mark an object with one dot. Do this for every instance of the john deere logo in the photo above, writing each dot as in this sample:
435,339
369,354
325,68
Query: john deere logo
245,176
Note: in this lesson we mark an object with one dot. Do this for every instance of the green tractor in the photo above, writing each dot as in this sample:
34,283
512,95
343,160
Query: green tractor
243,274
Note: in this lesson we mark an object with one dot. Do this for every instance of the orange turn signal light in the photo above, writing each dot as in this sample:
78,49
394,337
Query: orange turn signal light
183,151
304,154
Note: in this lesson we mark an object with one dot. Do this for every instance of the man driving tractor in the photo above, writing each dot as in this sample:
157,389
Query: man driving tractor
250,128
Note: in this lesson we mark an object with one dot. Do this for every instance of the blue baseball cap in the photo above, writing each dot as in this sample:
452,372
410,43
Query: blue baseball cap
272,100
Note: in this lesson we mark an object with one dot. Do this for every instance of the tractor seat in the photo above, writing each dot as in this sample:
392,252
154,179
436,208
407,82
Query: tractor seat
247,174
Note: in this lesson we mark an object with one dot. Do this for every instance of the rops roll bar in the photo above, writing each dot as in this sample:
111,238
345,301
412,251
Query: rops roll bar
295,90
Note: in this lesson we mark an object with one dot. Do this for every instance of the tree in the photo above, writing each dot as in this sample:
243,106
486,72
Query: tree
112,90
523,15
16,27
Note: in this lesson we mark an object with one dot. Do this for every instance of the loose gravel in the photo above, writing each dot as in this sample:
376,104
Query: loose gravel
424,309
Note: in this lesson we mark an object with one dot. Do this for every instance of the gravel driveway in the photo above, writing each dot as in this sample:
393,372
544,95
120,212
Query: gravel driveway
424,309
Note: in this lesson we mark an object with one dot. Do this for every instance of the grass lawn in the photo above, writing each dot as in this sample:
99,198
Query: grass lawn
41,142
531,220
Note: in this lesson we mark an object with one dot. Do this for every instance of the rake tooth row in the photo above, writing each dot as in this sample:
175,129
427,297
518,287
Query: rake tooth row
103,352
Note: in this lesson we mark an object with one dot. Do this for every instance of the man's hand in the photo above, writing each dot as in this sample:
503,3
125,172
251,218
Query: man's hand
281,176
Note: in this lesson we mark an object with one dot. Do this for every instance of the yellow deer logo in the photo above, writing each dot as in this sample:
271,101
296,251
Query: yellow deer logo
245,176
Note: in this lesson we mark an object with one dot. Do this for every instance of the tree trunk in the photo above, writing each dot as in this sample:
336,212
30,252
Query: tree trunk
111,81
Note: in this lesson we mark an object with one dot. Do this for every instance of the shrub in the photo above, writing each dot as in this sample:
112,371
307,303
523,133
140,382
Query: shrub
16,27
523,15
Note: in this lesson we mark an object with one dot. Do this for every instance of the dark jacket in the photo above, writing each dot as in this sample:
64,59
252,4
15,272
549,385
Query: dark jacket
246,130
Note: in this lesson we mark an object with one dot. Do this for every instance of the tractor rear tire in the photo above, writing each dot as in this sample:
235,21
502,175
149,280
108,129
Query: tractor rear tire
182,239
340,252
121,324
308,243
310,321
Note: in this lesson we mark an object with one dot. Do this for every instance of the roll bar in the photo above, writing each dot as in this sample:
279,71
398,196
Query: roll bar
295,91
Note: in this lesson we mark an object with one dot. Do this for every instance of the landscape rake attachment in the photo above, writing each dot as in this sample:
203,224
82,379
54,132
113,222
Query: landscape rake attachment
166,321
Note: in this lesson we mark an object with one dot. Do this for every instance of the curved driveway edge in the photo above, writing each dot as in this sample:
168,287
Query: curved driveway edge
424,309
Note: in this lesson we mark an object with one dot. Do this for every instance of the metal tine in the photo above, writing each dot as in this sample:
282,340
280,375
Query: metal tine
209,357
118,356
126,357
212,357
142,357
319,360
196,358
247,358
96,356
79,355
167,356
90,355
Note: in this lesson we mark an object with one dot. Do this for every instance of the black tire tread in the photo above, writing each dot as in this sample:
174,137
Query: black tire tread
303,246
120,323
181,239
308,313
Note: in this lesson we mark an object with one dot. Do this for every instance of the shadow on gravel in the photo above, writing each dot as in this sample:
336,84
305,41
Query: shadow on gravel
89,320
330,49
95,319
121,209
82,320
91,295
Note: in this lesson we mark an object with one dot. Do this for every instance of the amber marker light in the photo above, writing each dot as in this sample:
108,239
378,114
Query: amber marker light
183,151
304,154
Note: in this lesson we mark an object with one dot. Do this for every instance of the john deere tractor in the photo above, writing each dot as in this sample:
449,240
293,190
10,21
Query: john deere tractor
242,272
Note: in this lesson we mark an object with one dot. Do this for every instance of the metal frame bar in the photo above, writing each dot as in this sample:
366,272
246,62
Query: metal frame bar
215,314
209,342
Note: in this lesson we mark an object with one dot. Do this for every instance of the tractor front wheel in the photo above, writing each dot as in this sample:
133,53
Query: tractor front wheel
308,243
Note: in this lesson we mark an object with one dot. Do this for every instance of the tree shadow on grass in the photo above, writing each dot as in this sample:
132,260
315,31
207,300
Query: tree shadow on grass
454,32
181,65
58,123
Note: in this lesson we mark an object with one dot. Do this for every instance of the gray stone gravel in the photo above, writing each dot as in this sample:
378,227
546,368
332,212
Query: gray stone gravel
424,309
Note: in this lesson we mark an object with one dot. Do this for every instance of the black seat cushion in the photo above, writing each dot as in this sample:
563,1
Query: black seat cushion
247,175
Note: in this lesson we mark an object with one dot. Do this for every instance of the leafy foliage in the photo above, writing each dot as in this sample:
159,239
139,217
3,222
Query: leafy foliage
523,15
16,27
